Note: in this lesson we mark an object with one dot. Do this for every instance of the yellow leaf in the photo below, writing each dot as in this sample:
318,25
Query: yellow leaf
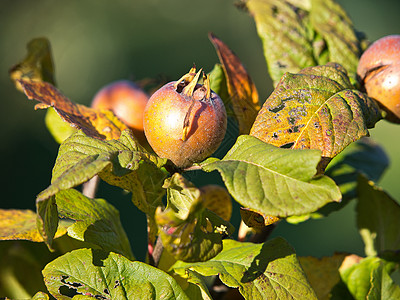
217,199
323,273
16,224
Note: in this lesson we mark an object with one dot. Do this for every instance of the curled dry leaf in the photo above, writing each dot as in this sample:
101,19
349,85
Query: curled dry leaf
255,219
37,65
101,124
241,89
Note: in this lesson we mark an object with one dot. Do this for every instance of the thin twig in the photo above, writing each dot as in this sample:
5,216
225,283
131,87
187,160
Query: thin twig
157,252
90,187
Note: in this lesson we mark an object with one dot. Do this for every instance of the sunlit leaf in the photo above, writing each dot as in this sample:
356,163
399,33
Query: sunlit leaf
322,273
382,285
96,221
20,224
274,181
367,278
37,65
300,34
103,275
101,124
286,36
378,218
188,230
242,92
339,39
316,109
193,285
260,271
123,163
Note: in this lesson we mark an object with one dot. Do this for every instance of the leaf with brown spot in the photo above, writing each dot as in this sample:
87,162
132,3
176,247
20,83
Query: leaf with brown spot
316,109
241,89
300,34
101,124
18,224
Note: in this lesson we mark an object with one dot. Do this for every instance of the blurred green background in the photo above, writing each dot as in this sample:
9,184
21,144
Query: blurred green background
96,42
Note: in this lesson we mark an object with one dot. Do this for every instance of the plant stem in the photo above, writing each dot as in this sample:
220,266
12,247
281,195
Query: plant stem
89,188
158,250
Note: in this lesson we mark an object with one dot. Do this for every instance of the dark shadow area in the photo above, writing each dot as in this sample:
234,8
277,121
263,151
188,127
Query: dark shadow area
270,251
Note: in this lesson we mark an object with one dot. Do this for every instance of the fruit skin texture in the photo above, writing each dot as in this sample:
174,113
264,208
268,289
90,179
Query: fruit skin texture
379,72
127,101
164,118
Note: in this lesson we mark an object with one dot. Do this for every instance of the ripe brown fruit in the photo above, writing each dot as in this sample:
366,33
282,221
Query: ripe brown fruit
379,72
185,121
127,100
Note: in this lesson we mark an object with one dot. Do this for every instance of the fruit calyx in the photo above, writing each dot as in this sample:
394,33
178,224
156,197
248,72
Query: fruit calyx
188,85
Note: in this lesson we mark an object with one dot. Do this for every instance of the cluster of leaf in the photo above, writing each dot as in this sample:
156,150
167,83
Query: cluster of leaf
312,126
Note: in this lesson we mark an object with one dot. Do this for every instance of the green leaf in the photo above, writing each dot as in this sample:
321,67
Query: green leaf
285,34
47,219
59,129
123,163
104,275
367,278
274,181
193,285
378,218
218,85
316,109
382,285
362,157
357,277
96,221
260,271
338,36
37,65
189,231
300,34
